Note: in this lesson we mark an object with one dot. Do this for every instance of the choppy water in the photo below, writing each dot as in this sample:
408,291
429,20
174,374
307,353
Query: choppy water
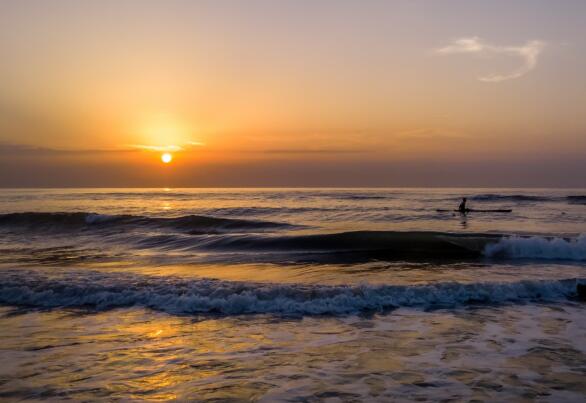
292,294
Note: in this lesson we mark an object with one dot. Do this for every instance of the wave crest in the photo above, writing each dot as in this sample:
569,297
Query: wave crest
539,248
104,291
83,220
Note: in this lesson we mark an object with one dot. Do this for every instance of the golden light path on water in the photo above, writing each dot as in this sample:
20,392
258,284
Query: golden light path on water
155,356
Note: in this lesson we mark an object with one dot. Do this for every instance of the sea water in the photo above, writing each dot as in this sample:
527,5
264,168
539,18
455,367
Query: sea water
292,295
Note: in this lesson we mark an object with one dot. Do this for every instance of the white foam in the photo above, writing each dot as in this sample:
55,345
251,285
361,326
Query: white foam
177,295
537,247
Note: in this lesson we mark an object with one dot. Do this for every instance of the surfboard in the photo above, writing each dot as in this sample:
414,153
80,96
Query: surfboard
476,211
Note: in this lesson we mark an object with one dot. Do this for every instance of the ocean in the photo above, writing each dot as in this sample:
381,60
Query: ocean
301,295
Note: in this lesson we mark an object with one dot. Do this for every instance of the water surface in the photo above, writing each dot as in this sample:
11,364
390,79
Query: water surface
292,294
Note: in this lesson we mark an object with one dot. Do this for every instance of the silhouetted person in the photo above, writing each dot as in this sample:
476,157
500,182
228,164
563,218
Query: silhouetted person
462,208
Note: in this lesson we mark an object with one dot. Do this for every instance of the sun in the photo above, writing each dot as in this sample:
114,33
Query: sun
166,158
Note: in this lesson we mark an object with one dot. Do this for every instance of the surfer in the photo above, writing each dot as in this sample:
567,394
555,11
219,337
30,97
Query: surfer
462,208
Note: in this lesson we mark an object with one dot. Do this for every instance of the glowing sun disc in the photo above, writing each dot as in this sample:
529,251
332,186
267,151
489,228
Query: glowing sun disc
166,158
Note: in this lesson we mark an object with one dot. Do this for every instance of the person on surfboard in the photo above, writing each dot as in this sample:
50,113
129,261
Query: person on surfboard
462,208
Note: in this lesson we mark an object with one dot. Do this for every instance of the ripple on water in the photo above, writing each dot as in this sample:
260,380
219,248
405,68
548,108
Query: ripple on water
491,353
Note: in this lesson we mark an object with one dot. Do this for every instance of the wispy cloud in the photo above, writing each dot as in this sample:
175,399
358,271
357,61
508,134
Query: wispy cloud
313,151
171,148
431,133
529,53
10,149
168,148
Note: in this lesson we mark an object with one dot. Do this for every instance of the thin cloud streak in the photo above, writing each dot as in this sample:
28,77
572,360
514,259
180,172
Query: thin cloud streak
169,148
313,151
529,53
9,149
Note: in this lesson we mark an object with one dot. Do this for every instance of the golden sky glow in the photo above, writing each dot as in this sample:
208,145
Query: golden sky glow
384,91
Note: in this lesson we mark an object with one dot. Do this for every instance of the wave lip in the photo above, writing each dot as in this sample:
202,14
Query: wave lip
537,247
202,296
84,220
375,244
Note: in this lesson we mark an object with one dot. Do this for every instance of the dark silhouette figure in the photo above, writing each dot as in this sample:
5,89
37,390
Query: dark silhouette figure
462,208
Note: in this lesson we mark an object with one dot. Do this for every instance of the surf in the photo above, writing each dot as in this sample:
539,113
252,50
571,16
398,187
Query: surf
538,247
174,295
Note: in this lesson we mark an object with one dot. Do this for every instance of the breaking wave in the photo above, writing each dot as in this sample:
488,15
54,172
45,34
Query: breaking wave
102,291
536,247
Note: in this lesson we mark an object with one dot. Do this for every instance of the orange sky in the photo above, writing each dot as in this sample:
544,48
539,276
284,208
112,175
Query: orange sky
293,93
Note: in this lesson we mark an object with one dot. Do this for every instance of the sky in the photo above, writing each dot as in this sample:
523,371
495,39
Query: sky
292,93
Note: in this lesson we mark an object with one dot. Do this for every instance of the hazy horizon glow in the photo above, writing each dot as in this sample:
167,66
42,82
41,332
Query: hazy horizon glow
292,93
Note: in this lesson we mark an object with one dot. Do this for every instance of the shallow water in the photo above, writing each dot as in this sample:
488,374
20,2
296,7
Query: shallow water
514,353
292,295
